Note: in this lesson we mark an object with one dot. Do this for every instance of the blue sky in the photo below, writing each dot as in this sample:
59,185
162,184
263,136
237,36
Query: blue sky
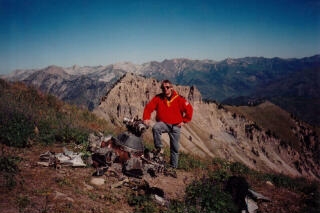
39,33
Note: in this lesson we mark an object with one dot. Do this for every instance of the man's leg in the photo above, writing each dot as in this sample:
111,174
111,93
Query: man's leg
174,136
157,130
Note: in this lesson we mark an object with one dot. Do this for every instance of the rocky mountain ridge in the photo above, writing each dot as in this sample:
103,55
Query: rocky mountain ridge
80,90
292,84
215,131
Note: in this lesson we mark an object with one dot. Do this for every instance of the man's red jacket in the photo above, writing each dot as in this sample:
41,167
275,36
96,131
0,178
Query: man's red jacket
173,111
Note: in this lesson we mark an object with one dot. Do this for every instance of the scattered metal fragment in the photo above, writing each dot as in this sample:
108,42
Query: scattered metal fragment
257,196
120,183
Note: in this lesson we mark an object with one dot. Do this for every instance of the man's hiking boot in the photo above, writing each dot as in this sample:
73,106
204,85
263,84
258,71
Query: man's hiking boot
171,172
158,155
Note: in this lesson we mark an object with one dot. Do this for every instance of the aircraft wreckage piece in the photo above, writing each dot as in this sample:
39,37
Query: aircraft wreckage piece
67,158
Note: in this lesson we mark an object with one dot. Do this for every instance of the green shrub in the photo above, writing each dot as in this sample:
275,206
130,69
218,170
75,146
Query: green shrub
76,135
9,164
280,180
207,195
15,129
239,169
220,175
9,168
189,162
220,163
283,181
142,203
47,134
177,207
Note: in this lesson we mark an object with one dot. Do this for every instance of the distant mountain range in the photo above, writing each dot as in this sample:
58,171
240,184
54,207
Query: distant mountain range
293,84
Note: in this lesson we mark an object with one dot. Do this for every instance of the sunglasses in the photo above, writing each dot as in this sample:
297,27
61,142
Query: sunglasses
165,87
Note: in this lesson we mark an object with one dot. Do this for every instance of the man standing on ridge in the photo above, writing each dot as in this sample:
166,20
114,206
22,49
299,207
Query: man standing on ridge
173,111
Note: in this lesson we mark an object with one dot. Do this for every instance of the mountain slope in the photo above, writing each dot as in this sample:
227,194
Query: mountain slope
217,132
76,89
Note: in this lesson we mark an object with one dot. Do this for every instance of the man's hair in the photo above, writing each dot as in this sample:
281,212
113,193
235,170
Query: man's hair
166,82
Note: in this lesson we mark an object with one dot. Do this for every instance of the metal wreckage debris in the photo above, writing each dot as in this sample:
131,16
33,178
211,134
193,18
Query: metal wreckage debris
126,149
57,160
123,156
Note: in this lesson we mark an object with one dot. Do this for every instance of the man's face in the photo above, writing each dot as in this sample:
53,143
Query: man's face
166,89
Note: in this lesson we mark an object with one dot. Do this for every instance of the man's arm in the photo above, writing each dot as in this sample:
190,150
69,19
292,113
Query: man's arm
148,109
188,111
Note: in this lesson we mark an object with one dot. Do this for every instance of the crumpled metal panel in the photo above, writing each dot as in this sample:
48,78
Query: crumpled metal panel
129,142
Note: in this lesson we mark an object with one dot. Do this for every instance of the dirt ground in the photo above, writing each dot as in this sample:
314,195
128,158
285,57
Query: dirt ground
46,189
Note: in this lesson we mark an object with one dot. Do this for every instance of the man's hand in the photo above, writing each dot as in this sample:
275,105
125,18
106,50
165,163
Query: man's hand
180,124
146,122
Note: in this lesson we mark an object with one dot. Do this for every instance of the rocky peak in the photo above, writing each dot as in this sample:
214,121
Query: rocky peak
127,66
55,70
47,77
131,93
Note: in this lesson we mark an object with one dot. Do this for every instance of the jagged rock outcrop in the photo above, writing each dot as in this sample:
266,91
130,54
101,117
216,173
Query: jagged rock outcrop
131,93
213,132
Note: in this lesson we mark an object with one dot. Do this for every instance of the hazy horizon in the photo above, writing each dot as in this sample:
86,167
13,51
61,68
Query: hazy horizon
36,34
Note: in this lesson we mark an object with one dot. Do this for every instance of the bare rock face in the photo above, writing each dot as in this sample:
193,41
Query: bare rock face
213,132
130,95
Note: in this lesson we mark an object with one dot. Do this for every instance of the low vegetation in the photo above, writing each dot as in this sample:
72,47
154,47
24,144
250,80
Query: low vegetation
28,116
9,168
